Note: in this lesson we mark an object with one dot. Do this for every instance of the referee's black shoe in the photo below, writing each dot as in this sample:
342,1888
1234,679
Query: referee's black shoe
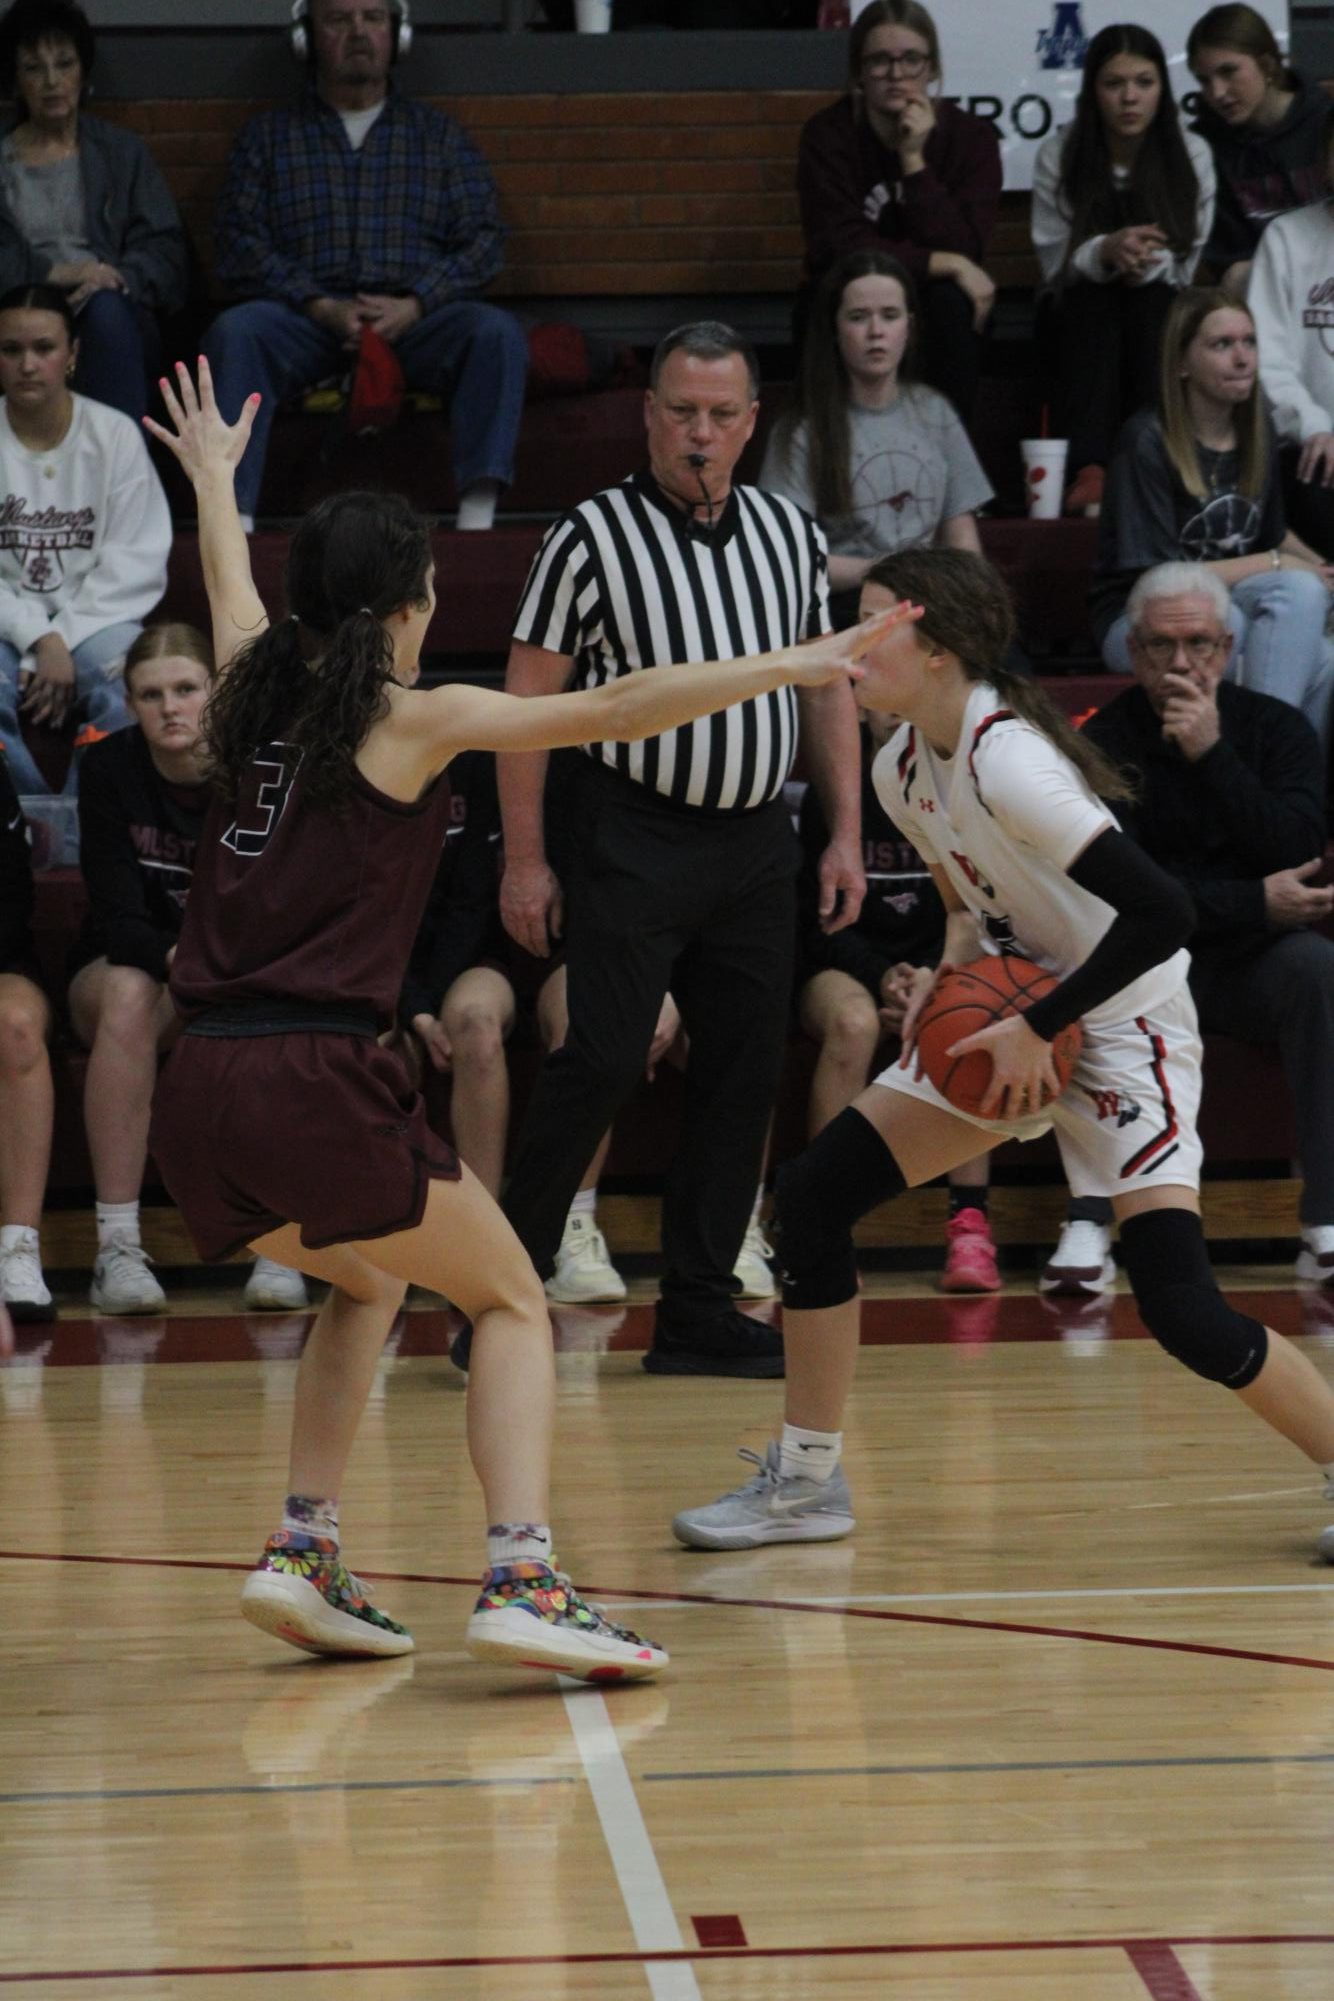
732,1344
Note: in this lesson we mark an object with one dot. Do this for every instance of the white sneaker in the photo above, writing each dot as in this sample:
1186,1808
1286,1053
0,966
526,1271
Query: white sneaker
1081,1262
22,1288
122,1282
274,1288
1315,1262
752,1269
584,1271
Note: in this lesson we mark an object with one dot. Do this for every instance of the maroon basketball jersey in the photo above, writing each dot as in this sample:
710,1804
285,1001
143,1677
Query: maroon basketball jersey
295,901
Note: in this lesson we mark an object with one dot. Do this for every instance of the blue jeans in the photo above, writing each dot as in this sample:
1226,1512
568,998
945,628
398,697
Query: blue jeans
1277,622
99,700
120,347
473,355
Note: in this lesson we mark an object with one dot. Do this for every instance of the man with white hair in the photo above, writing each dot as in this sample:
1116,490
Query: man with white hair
1231,802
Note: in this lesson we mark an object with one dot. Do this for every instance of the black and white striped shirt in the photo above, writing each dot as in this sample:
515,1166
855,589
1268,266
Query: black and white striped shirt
624,581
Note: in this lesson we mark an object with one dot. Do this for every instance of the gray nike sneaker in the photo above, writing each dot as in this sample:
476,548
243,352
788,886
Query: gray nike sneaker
770,1509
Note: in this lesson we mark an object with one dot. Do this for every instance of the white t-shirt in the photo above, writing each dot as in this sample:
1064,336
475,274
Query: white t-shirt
84,530
1291,296
357,124
1004,817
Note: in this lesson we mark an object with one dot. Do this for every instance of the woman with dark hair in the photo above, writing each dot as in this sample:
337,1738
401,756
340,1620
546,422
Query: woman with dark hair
1265,127
1123,201
1196,480
280,1121
83,206
1006,803
83,561
896,167
881,461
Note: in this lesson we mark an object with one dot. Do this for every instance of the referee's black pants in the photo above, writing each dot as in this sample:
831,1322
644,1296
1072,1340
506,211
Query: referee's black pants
666,899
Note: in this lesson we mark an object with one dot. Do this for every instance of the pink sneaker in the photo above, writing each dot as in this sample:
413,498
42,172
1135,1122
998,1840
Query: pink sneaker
970,1255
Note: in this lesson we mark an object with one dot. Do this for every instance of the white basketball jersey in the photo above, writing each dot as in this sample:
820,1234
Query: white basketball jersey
1004,817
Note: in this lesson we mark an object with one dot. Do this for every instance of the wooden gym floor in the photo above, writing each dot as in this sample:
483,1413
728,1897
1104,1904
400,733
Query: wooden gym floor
1053,1726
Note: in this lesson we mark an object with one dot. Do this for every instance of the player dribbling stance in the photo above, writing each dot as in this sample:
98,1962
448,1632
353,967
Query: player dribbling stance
1004,800
280,1123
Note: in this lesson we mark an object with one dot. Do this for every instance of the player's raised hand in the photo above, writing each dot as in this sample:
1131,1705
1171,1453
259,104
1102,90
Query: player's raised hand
200,439
838,653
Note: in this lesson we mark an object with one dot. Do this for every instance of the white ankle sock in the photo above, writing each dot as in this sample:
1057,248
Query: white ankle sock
248,523
585,1203
517,1542
117,1219
477,507
1328,1472
808,1455
15,1236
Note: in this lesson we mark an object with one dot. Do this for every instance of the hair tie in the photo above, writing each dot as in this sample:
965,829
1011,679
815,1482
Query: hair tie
369,613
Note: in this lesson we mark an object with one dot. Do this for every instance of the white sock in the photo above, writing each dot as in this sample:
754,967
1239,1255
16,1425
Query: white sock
477,507
117,1219
585,1203
517,1542
248,523
1328,1472
17,1236
808,1455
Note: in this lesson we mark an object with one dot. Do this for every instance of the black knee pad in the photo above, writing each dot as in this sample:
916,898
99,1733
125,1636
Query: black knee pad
1179,1301
846,1170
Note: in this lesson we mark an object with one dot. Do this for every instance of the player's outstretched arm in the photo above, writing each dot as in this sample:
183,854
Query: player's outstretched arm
643,704
210,451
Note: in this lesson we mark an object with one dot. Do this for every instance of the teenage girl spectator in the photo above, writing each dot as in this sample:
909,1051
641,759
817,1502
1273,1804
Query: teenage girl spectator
1197,480
880,460
853,990
894,166
1291,294
84,535
83,206
1123,202
27,1099
1265,127
142,800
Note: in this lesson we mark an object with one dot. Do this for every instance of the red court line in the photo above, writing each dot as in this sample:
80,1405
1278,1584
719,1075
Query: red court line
890,1950
745,1604
1162,1972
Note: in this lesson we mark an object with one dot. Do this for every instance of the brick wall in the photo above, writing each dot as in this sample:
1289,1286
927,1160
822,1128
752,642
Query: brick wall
605,194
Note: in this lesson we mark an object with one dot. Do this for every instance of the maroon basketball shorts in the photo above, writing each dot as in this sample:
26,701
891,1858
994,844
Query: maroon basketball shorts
313,1128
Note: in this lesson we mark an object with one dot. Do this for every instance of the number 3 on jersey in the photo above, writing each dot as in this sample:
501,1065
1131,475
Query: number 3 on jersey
263,800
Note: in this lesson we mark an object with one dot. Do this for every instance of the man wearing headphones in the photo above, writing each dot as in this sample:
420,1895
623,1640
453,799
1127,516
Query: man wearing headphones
358,208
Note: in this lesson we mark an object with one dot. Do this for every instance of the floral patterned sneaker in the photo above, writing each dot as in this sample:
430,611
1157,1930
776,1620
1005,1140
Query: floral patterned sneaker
531,1616
301,1592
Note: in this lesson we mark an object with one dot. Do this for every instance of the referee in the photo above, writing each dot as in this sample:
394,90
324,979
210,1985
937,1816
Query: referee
684,859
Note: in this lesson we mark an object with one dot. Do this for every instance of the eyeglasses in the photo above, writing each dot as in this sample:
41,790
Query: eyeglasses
911,66
1198,647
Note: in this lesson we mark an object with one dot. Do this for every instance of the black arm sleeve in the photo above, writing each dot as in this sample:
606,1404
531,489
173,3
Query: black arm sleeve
114,879
1154,918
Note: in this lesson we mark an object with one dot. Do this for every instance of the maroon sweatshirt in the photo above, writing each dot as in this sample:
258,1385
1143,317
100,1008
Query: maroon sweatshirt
854,196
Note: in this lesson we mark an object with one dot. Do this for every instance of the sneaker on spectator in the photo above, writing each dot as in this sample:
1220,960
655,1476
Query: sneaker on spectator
1085,495
752,1270
122,1282
1315,1262
275,1288
584,1273
770,1508
300,1591
22,1287
529,1615
1081,1262
970,1255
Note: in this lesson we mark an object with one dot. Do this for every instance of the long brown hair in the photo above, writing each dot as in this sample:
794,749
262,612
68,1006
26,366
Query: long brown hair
821,392
968,613
1163,187
1190,310
1246,33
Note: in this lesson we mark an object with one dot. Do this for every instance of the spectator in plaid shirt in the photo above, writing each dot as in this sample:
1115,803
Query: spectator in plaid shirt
359,208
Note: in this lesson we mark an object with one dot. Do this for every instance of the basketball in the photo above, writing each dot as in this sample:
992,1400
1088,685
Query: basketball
971,997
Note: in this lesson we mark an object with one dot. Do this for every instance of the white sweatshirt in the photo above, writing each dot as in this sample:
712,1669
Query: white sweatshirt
1050,221
84,530
1291,297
